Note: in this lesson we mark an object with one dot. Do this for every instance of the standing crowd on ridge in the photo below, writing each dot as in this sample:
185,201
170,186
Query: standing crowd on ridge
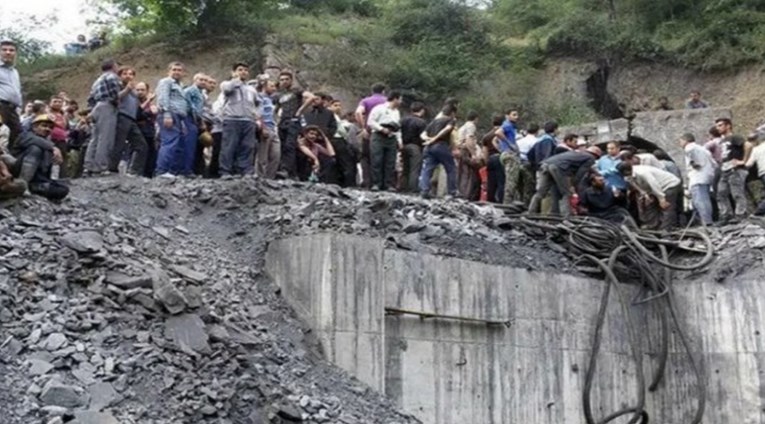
271,128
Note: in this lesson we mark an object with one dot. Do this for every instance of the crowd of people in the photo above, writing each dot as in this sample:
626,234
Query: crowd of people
269,127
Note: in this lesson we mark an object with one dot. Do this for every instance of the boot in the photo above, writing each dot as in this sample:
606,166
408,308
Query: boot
28,170
51,190
12,189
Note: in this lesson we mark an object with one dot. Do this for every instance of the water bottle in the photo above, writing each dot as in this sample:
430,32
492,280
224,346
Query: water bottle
55,172
122,167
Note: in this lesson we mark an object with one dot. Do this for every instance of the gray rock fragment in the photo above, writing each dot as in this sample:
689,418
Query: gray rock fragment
166,293
189,274
55,341
83,241
102,396
39,367
187,331
91,417
59,394
127,282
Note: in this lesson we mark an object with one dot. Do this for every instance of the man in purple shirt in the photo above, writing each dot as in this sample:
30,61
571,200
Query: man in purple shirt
366,105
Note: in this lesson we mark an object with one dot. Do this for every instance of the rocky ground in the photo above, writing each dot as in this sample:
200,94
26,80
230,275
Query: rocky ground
140,301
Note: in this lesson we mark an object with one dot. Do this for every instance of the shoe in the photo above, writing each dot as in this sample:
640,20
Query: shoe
391,190
167,175
426,195
227,177
375,188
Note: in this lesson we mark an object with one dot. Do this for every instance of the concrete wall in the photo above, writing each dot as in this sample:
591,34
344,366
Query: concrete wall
532,372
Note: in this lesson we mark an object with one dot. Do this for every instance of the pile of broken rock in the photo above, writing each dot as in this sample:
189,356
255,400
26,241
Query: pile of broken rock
119,308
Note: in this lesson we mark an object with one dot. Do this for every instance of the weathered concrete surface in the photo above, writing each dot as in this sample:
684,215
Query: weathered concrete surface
337,286
662,128
532,372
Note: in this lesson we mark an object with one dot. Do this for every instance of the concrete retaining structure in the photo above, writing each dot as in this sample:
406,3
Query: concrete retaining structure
449,371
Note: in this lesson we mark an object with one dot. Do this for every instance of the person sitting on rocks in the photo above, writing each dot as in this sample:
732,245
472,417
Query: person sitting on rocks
604,202
35,155
314,145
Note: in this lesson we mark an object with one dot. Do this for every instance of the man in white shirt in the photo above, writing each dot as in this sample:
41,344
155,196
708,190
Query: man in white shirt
701,168
757,157
528,178
385,124
658,190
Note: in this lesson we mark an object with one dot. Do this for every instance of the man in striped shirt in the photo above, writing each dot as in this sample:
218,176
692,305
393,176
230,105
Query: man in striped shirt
103,100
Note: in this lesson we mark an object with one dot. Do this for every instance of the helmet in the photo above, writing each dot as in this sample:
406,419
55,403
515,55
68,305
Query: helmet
42,118
206,139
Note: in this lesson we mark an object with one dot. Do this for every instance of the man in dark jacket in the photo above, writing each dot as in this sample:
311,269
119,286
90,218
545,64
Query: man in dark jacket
319,115
35,155
563,172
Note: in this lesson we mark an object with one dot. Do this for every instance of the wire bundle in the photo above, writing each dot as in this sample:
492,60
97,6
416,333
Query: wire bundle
623,254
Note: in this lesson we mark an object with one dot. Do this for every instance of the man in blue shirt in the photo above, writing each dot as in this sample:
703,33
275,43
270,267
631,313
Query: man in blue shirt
269,150
196,99
10,90
509,156
607,167
173,111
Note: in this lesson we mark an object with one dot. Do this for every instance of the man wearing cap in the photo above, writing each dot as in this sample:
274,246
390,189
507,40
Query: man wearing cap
238,145
35,155
103,101
701,168
10,89
658,194
735,153
563,173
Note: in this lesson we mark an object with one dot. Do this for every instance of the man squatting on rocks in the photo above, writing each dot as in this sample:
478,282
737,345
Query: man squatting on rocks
273,128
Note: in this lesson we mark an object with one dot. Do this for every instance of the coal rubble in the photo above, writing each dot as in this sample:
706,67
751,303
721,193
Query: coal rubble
138,301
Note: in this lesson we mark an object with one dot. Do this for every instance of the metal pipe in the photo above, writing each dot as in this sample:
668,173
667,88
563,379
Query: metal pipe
425,315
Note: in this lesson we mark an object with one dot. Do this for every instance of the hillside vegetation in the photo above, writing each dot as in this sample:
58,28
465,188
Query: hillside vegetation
492,54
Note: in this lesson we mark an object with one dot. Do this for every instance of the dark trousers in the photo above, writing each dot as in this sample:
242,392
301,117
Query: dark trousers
238,148
383,150
213,171
432,156
411,157
495,181
151,156
288,134
10,117
129,136
365,160
345,162
761,206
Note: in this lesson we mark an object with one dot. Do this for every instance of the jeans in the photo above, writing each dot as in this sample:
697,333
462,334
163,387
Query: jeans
432,156
238,148
213,171
495,181
732,185
171,153
551,178
104,133
383,151
411,157
701,199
